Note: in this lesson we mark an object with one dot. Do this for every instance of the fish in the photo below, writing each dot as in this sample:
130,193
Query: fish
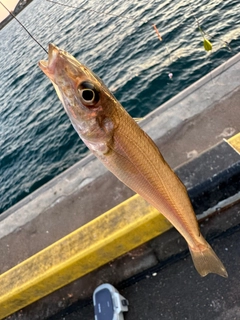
126,150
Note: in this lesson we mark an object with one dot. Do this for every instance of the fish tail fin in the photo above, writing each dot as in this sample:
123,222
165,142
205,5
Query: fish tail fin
206,261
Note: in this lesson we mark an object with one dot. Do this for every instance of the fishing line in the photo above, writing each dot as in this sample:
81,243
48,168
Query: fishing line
204,33
24,27
109,14
121,16
83,8
206,43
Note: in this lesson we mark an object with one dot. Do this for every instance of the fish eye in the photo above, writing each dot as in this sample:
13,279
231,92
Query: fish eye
89,94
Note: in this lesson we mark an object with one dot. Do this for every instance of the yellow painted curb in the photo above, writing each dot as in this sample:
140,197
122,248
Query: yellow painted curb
235,142
112,234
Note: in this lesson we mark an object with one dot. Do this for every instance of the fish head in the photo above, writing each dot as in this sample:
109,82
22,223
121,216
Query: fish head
87,101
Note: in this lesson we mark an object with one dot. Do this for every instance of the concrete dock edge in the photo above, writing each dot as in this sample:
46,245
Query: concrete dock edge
84,250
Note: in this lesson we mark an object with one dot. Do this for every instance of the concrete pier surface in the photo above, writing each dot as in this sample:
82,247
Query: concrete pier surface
175,290
185,129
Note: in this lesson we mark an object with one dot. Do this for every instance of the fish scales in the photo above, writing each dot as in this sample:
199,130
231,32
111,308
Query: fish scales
126,150
150,176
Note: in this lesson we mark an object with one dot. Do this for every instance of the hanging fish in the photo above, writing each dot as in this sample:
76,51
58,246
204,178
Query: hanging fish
126,150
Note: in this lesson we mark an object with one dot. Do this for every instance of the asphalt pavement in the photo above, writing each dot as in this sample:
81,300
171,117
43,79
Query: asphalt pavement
175,291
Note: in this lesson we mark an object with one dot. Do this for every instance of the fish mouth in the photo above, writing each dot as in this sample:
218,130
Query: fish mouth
48,66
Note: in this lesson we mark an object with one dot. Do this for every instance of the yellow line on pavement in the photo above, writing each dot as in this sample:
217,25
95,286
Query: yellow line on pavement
112,234
235,142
